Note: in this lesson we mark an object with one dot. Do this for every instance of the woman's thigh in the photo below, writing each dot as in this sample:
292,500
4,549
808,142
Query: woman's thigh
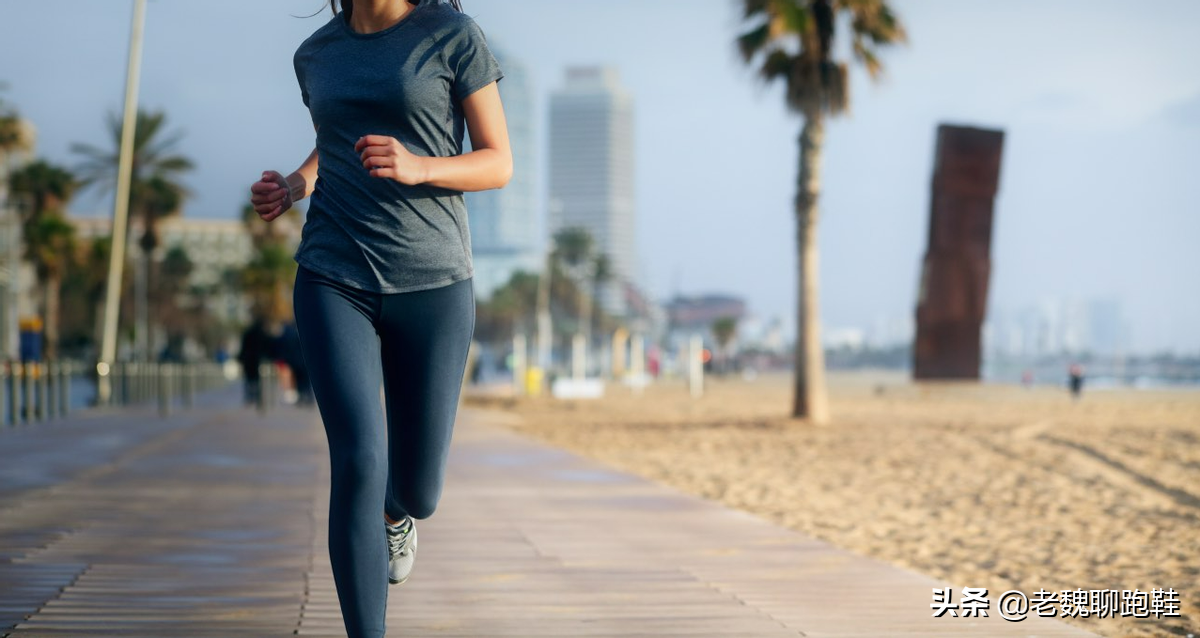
425,336
341,351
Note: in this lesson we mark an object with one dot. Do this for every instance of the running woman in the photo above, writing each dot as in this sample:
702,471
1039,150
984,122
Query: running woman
384,291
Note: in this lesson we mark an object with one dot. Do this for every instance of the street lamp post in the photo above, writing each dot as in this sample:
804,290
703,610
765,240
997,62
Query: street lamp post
116,262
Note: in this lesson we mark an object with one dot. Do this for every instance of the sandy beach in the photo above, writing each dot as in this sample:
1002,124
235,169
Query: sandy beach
984,486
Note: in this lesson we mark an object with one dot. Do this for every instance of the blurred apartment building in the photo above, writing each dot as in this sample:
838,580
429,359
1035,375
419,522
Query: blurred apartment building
217,249
504,225
591,176
17,278
691,315
1058,326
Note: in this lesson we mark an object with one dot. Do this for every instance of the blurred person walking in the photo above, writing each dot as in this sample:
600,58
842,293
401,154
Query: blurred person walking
1075,380
384,292
255,347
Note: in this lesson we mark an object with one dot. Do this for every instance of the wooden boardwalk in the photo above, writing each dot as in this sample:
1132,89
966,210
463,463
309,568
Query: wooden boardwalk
211,523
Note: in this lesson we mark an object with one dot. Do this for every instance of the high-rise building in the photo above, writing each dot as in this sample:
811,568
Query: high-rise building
503,223
591,171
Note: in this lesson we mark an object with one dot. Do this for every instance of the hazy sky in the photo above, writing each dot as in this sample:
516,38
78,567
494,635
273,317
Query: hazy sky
1100,101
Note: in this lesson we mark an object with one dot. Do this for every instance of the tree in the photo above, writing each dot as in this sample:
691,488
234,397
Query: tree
155,190
723,330
575,250
48,236
791,41
13,136
509,308
83,291
271,269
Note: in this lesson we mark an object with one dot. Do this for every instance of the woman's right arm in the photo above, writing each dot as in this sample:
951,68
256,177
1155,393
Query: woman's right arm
273,194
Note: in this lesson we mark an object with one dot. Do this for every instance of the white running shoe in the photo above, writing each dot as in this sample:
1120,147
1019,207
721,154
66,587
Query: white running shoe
402,549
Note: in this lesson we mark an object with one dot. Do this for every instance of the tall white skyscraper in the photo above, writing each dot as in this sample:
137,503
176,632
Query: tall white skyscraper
503,223
591,170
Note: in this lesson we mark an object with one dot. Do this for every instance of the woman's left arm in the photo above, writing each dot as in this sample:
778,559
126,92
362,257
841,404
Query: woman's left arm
488,165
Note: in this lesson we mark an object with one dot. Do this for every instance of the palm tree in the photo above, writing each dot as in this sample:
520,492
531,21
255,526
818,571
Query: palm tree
574,249
792,41
271,269
723,330
48,236
155,189
13,136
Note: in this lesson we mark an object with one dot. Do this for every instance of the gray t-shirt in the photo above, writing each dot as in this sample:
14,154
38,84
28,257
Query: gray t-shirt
407,82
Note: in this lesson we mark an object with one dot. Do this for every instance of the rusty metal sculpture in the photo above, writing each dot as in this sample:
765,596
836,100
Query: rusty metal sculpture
952,301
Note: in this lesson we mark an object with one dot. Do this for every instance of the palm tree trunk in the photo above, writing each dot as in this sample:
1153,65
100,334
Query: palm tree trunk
53,286
585,321
810,399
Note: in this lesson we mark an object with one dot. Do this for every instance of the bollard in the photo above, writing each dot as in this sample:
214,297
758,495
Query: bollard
4,374
39,391
163,388
264,385
518,364
189,385
637,362
696,366
50,387
14,398
64,388
26,394
52,381
120,384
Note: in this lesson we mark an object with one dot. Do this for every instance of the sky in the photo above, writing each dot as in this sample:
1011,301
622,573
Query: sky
1100,108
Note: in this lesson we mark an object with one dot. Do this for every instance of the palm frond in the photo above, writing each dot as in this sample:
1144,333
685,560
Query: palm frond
797,46
752,42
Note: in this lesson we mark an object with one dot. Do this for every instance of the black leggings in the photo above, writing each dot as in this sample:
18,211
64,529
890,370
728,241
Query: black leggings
422,339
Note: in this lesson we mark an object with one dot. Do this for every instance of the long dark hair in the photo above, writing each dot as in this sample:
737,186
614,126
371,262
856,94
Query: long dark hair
348,6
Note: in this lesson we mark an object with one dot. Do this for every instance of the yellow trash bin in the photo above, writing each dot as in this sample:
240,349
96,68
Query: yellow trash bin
533,381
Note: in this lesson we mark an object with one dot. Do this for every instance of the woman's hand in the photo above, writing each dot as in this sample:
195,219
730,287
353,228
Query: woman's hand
271,196
386,157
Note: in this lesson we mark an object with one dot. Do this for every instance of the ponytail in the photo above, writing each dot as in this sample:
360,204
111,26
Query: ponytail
348,6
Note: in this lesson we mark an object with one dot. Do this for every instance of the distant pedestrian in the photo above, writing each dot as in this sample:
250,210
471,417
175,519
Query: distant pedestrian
1075,375
384,293
256,346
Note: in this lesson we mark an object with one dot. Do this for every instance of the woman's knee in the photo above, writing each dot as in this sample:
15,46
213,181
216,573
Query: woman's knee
358,466
418,503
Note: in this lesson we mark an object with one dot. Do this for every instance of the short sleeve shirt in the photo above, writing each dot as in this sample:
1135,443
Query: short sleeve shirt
406,82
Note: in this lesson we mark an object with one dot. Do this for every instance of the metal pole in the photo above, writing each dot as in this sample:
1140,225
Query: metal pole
264,386
188,370
47,388
27,392
518,364
164,390
696,366
4,376
64,388
116,262
14,397
637,362
544,334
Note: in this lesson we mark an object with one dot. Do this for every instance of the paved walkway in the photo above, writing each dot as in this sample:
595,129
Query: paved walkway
211,523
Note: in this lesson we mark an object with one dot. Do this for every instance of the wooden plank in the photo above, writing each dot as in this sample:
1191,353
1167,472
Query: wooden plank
212,523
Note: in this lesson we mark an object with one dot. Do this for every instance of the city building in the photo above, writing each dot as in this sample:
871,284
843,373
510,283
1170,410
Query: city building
504,223
591,172
216,247
16,276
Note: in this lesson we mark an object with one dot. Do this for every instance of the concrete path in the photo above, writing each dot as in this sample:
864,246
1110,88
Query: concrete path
211,523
